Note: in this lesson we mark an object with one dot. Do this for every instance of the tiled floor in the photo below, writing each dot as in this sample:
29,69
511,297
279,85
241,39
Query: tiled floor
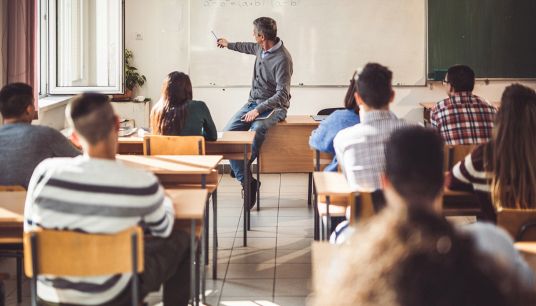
275,267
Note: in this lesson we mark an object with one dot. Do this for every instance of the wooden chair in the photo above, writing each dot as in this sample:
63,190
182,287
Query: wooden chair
67,253
320,161
456,153
188,145
519,223
12,204
173,145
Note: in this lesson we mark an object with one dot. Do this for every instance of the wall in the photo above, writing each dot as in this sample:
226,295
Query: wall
164,48
3,38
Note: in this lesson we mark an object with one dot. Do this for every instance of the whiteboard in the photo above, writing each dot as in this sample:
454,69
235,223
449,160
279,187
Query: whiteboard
328,39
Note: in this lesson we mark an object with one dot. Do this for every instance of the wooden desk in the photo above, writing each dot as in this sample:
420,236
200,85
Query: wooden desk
233,145
286,147
330,185
427,107
528,250
175,168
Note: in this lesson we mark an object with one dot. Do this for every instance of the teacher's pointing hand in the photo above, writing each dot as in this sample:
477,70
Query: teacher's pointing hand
222,43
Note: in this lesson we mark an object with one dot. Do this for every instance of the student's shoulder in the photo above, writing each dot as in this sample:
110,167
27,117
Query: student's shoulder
440,105
197,104
348,133
56,164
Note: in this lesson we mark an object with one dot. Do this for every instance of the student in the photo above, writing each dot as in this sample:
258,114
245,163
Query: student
360,148
23,145
322,138
94,193
502,172
414,177
177,114
270,91
413,257
462,118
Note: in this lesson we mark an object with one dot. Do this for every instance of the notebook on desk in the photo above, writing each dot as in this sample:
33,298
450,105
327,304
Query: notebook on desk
319,117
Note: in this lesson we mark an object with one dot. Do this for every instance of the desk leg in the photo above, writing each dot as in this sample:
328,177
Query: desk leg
258,181
215,234
206,229
246,195
204,252
328,218
192,262
309,189
316,217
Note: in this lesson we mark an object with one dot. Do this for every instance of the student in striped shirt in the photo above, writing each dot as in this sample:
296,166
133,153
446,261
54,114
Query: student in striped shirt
502,172
94,193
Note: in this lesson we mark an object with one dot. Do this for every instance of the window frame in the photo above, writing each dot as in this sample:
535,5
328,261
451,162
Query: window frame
48,71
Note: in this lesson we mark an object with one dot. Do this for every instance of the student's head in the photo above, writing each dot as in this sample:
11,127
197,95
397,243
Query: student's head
416,258
514,146
350,102
373,88
17,103
169,114
264,29
414,167
460,78
94,122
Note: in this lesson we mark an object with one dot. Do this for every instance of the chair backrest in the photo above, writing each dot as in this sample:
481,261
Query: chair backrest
68,253
519,223
11,188
364,205
173,145
321,160
456,153
328,111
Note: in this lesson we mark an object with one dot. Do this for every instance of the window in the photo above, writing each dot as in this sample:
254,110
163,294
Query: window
81,46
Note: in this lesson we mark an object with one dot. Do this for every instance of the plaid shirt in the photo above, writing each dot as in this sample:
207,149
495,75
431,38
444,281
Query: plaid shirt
463,118
360,148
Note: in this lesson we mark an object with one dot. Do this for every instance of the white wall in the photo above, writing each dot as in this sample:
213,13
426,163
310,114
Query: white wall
164,48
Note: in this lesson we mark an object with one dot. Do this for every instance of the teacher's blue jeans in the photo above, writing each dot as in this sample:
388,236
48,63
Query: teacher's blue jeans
259,126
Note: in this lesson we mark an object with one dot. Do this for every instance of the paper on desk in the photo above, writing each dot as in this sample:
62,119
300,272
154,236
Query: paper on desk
220,135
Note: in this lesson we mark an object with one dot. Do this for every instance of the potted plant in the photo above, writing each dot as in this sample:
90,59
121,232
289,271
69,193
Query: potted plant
133,78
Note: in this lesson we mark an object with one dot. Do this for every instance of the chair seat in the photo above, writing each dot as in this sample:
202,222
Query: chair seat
335,210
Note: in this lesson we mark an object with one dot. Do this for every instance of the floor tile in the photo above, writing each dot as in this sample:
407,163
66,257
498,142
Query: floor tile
250,271
296,212
292,287
247,301
293,270
305,232
295,222
257,243
259,232
293,256
250,287
293,243
290,301
253,256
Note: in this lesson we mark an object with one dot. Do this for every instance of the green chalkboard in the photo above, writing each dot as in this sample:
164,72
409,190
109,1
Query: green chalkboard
497,38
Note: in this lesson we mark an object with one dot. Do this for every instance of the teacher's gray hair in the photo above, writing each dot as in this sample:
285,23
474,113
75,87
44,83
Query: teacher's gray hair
267,27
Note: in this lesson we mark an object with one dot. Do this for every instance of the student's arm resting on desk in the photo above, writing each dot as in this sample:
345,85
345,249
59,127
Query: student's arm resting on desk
283,73
468,172
322,138
244,47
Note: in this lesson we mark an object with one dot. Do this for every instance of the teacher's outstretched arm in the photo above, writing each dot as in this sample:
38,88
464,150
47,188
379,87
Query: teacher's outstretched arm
242,47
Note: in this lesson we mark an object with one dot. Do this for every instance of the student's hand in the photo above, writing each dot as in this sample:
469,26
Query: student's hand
251,115
222,43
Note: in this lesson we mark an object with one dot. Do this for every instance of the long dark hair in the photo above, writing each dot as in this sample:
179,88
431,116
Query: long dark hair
349,100
514,144
169,114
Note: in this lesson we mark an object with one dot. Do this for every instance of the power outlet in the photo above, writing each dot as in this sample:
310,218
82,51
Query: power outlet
139,36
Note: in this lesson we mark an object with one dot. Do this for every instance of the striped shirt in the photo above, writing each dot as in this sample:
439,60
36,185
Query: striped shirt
360,148
472,174
93,196
463,118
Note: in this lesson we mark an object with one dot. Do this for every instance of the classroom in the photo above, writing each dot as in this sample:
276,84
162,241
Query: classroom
267,152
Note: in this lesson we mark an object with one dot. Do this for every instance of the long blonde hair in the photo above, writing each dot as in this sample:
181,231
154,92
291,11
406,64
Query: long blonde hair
514,149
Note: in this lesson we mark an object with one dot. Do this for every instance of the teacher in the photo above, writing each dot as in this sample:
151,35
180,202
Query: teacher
270,91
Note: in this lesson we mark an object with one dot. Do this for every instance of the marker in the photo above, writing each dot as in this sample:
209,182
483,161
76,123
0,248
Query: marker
215,36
